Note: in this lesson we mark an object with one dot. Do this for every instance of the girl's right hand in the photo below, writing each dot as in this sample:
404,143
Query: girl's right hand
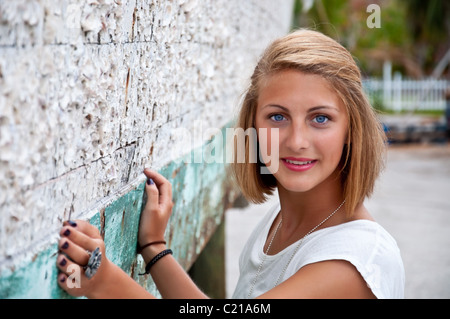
78,238
158,208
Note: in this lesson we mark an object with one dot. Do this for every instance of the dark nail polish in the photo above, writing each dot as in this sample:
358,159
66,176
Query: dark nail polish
62,279
67,232
63,262
65,245
150,181
71,223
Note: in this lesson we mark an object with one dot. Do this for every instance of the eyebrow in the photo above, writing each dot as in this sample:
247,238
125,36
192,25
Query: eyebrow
278,106
313,109
316,108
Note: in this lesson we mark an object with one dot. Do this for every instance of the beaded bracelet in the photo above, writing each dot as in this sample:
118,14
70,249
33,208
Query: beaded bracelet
154,260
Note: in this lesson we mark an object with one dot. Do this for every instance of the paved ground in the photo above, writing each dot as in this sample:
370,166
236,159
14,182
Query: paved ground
412,201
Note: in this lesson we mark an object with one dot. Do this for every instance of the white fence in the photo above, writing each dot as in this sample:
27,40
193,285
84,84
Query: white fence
399,94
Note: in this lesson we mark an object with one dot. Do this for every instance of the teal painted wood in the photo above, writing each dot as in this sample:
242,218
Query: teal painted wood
201,193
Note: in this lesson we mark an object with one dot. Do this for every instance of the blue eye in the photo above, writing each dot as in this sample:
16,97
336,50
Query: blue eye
277,117
320,119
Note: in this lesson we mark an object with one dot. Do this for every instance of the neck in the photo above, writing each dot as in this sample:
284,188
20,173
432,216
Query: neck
303,211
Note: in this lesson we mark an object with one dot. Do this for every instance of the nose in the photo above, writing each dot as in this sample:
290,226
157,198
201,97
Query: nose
298,137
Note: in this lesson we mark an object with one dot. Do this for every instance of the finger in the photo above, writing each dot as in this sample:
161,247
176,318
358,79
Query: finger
66,265
62,281
164,186
152,195
62,278
84,227
73,251
161,182
156,200
78,238
70,276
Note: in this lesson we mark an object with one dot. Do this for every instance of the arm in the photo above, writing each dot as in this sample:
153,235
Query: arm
170,278
333,279
110,281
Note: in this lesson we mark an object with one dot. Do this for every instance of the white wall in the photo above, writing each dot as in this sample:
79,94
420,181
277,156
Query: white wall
90,92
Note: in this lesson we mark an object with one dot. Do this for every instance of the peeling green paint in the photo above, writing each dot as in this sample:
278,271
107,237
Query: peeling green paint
201,193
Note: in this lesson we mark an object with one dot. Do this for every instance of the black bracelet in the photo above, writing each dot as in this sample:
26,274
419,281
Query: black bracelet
141,248
154,260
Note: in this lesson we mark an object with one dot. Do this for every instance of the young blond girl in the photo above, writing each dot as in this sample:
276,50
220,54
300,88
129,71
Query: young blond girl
319,241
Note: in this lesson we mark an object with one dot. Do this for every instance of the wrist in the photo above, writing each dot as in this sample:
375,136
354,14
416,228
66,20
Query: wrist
140,248
101,281
118,285
149,252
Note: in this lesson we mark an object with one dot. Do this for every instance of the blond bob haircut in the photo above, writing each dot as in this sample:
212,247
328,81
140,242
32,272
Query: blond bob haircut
312,52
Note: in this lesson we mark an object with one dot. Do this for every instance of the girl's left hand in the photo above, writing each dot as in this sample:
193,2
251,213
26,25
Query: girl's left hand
157,210
77,238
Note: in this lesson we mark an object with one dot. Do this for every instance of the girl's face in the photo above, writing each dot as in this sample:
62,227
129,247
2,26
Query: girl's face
312,123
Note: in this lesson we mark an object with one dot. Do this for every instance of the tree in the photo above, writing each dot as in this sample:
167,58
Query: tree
414,34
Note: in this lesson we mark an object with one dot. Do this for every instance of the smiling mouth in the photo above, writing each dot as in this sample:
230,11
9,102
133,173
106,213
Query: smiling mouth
298,162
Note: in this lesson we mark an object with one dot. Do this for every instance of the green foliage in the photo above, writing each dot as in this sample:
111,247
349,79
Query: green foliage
376,100
414,34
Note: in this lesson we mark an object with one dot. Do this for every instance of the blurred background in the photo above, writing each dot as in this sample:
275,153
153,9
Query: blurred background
403,50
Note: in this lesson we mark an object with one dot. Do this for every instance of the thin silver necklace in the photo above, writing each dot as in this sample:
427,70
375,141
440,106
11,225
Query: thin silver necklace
293,254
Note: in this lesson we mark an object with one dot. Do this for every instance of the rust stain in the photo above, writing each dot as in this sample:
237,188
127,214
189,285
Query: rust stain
132,24
132,268
175,172
102,223
123,220
126,88
151,150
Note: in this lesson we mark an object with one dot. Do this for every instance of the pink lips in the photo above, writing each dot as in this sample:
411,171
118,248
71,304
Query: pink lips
298,164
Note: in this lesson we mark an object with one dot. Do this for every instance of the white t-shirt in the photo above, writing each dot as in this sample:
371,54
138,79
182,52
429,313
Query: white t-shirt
363,243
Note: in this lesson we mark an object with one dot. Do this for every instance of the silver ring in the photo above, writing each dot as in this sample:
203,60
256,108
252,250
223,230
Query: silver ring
95,259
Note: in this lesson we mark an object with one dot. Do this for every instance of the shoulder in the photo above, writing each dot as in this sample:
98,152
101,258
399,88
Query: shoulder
365,246
365,241
353,260
358,237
